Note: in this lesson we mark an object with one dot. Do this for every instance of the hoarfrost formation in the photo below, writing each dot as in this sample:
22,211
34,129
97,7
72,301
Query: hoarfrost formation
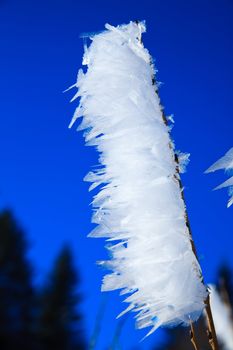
139,208
222,319
226,163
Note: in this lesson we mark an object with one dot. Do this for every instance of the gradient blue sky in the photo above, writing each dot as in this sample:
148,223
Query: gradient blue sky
43,163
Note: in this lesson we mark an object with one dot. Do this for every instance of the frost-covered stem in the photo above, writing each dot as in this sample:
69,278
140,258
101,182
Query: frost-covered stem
139,207
193,336
211,329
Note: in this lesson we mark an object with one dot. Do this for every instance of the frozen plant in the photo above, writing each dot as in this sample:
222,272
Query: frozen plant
139,208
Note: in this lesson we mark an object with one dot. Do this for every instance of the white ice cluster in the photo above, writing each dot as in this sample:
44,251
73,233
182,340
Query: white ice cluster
222,319
226,163
139,207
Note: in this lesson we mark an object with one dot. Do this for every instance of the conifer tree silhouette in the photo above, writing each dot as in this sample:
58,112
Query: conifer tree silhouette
16,291
59,325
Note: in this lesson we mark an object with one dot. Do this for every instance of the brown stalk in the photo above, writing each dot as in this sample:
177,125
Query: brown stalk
193,337
211,329
211,333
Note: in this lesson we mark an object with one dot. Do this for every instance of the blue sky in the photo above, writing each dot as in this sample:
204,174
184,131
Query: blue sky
43,162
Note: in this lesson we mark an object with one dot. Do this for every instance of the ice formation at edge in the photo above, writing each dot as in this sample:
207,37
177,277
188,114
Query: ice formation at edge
226,163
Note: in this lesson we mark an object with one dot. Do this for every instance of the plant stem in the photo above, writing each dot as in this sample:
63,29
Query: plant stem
211,329
193,336
212,338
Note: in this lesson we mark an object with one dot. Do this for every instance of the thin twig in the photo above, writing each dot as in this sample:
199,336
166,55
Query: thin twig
211,333
211,329
193,337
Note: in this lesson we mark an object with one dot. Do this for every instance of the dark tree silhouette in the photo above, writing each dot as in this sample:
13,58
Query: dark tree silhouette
16,291
59,326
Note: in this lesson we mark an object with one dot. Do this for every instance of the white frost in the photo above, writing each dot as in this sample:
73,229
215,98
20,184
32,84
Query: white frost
222,319
183,160
138,208
226,163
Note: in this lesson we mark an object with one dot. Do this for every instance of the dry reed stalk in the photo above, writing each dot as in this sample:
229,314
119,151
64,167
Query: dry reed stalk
193,337
212,338
211,329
